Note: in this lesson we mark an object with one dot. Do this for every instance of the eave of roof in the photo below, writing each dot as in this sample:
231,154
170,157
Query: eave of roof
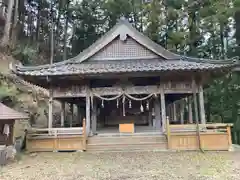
7,113
122,66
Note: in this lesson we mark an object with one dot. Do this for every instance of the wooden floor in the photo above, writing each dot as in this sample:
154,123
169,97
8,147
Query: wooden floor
145,138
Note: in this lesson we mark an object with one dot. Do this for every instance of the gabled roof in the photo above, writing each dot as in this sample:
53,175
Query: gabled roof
7,113
122,29
167,60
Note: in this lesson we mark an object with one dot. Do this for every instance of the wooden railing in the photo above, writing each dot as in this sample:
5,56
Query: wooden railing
85,136
54,132
220,127
168,131
57,131
183,136
58,138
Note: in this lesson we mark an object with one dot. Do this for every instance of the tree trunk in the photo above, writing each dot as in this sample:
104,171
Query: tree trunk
7,28
15,25
57,36
237,33
51,35
22,10
38,20
192,31
222,40
65,33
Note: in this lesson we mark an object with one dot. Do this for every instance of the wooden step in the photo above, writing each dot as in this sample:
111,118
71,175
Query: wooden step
126,140
126,143
127,147
129,134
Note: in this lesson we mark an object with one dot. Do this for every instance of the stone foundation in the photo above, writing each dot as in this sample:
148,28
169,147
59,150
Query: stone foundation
7,154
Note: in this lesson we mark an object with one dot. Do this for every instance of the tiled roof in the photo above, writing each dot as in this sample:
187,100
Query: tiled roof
7,113
119,66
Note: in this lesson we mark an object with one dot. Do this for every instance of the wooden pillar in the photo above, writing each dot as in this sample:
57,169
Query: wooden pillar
174,112
163,109
79,115
195,102
88,116
50,108
182,103
150,118
63,113
157,121
201,104
72,114
190,114
170,110
94,117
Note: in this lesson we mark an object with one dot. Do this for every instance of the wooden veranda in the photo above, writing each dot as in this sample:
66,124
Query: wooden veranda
206,137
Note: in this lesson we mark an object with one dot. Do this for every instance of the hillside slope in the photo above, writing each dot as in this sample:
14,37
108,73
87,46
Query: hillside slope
23,96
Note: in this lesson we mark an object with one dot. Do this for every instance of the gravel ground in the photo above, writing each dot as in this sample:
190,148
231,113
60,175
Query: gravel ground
125,166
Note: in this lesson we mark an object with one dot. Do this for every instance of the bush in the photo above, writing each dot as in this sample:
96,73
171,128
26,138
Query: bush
7,93
25,53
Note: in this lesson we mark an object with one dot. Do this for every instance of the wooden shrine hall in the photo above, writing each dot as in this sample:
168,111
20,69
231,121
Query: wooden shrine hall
129,93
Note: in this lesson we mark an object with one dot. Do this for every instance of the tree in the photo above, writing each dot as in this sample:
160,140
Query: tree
6,35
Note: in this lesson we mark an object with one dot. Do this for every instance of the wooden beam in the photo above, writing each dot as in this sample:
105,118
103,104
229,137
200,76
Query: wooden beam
201,104
81,91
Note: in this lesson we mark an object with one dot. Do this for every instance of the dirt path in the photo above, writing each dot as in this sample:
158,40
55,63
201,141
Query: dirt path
125,166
